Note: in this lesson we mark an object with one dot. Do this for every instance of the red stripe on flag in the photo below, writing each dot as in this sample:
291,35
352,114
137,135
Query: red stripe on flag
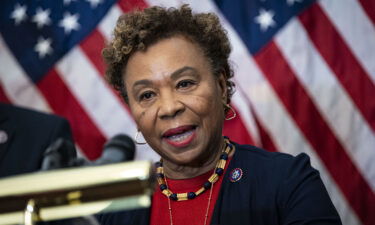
231,128
346,68
130,5
369,8
63,103
3,97
317,132
92,47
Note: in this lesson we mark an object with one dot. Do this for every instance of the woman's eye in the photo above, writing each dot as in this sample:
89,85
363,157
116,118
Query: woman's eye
185,83
146,95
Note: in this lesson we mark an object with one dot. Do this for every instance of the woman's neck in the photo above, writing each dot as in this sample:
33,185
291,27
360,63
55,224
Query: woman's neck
175,171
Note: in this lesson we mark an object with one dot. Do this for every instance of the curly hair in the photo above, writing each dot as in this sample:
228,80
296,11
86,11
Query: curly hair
137,30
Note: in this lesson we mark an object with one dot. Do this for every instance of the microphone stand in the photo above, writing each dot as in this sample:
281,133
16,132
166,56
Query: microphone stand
31,213
74,192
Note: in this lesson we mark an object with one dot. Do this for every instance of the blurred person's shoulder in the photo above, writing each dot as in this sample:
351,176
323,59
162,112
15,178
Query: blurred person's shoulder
21,113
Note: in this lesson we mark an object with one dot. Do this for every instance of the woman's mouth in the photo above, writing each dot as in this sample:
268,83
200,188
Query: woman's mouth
181,136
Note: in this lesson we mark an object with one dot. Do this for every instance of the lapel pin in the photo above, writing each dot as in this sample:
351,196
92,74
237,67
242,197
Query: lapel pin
235,175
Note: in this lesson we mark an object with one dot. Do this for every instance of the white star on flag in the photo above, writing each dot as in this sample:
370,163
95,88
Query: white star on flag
265,19
69,22
43,47
67,2
19,14
94,3
41,18
291,2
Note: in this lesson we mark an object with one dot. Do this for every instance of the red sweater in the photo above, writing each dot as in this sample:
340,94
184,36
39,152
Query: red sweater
189,212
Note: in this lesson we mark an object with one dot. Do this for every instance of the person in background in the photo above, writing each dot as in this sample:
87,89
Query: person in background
171,67
25,135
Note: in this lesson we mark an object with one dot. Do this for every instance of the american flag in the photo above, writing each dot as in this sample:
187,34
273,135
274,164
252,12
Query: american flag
304,74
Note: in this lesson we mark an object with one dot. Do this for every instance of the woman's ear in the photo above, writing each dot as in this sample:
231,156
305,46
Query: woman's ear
222,83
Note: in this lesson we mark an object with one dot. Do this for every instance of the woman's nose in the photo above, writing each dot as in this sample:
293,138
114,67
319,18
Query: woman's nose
170,106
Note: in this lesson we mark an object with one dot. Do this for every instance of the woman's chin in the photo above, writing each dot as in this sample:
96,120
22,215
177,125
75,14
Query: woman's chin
186,158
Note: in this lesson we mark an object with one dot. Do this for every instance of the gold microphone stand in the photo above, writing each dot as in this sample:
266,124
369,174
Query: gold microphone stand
75,192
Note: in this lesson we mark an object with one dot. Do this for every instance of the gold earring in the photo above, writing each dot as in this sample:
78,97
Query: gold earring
136,137
233,114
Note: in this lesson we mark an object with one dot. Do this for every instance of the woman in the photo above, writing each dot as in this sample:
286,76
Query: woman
171,67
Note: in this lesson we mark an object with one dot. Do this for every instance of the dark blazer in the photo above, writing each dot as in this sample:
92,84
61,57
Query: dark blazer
275,189
27,135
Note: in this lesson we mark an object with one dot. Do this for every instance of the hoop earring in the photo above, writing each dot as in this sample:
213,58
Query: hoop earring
233,114
136,137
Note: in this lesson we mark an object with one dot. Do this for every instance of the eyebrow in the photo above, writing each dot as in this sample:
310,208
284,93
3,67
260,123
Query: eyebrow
175,75
178,73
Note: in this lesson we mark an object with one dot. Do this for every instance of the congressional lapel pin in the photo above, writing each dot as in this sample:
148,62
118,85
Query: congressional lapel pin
235,174
3,137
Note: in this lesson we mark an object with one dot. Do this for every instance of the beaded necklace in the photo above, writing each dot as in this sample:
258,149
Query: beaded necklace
209,184
207,209
219,169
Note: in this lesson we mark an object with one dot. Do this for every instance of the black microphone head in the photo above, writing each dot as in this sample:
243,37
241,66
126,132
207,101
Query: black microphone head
123,143
58,154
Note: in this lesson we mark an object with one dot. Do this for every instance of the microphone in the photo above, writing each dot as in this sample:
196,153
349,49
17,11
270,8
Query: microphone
119,148
62,153
58,154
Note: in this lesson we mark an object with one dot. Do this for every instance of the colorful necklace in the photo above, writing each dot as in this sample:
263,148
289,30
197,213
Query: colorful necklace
207,209
219,169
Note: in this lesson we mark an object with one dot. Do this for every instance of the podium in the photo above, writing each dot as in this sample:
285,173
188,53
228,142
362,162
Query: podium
74,192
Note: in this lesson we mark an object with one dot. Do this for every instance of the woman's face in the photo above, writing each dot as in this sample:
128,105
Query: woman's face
176,100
